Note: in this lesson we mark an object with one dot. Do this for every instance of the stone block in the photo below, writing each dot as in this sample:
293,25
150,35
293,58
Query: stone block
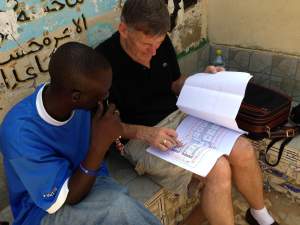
239,59
275,82
189,64
6,215
287,86
203,57
260,62
261,78
298,71
120,169
284,66
142,188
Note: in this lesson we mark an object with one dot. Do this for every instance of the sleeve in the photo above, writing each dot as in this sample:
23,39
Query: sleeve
176,73
45,178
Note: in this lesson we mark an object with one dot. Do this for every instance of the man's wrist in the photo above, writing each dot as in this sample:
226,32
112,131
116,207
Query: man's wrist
140,132
130,131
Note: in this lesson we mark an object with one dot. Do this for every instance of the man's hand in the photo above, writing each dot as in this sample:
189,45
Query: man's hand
214,69
161,138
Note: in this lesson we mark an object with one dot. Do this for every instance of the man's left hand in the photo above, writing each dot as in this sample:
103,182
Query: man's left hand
214,69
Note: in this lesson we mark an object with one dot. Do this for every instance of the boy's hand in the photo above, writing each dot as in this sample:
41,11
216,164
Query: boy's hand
106,128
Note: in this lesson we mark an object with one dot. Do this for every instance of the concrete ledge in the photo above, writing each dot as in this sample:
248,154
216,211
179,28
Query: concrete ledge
6,215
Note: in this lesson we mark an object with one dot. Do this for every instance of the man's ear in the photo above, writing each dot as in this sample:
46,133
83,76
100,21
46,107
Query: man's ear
123,30
75,95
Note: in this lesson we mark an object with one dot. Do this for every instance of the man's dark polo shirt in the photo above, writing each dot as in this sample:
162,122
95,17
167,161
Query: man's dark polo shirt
143,96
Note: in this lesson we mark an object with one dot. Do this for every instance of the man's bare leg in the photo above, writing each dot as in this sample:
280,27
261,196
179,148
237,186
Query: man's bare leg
246,173
216,196
216,202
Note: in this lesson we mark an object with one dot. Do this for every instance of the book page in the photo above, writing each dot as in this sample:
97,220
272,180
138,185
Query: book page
203,143
214,97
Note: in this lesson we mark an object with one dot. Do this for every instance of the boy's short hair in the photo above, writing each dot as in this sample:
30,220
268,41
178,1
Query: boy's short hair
73,61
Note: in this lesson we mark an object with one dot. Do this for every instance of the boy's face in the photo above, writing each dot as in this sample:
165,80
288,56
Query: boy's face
94,90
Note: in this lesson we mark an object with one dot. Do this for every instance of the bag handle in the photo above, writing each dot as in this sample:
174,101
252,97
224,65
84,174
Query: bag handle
283,144
287,133
283,132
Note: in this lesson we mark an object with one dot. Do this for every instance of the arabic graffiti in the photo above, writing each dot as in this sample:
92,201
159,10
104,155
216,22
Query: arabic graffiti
23,15
61,6
12,76
78,22
34,46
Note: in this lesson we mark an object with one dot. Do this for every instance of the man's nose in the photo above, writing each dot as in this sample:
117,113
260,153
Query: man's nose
153,50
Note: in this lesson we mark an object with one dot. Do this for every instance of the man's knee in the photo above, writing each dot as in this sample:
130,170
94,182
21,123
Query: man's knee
242,152
220,175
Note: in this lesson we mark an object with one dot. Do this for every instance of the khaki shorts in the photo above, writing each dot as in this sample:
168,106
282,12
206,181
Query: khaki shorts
171,177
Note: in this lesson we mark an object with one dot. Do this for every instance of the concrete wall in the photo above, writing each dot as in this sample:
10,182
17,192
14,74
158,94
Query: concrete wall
271,25
31,30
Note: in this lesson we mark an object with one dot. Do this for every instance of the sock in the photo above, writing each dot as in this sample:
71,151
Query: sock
262,216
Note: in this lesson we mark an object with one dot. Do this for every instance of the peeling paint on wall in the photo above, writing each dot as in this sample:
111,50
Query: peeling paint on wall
8,26
189,28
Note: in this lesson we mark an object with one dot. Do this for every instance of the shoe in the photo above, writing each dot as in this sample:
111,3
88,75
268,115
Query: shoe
252,221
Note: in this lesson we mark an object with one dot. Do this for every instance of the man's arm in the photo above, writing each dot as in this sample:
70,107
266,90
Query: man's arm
178,84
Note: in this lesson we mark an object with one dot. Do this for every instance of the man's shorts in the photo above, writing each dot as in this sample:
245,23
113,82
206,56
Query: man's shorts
171,177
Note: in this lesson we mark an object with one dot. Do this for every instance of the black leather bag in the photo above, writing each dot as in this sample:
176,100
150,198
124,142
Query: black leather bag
262,110
263,113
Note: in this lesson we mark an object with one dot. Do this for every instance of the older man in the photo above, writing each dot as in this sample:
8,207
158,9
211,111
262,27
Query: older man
145,86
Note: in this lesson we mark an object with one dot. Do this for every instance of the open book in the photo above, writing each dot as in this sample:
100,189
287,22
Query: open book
209,131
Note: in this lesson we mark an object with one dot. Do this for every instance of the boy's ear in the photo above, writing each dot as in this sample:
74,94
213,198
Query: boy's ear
75,96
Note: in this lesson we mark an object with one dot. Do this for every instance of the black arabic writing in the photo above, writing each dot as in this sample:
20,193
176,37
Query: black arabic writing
34,47
22,15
